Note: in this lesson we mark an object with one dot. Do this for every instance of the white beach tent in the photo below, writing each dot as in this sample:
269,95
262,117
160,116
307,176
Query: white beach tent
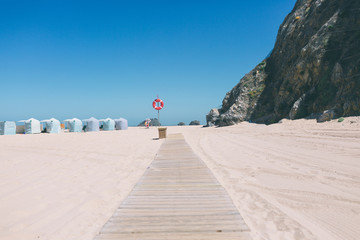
108,124
121,124
31,126
7,128
52,125
74,125
92,125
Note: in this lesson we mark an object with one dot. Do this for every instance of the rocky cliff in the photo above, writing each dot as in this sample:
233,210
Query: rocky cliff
314,67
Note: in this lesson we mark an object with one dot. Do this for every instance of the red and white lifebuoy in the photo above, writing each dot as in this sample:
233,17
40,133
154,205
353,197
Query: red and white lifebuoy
158,106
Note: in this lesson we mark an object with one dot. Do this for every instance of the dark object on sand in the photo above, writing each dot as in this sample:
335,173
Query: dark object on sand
162,132
195,122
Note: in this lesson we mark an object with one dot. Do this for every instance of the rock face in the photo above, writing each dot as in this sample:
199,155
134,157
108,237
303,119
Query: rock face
212,117
239,104
314,67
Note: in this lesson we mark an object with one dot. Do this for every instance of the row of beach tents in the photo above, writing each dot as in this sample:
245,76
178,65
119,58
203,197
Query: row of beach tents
53,125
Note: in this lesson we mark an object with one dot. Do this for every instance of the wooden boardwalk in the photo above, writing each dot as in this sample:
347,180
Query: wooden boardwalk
177,198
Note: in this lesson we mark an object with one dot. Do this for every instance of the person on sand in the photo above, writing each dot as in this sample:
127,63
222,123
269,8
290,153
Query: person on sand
147,123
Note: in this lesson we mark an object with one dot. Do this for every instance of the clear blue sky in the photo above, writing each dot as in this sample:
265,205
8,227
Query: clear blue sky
67,59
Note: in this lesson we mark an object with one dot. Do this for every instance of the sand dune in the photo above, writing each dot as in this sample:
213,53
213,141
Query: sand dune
295,180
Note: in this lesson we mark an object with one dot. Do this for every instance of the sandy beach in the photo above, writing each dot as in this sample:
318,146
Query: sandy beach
292,180
66,186
295,180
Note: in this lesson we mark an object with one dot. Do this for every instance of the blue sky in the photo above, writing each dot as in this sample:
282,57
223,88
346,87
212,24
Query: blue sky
67,59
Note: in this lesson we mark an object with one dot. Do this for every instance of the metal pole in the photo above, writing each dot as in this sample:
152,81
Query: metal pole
159,117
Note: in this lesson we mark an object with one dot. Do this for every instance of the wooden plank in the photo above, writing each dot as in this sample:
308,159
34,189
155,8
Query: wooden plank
178,236
177,198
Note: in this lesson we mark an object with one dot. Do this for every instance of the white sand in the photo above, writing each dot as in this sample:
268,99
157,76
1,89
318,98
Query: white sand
295,180
66,186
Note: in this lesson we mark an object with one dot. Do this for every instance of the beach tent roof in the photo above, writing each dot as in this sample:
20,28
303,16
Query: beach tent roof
90,119
73,119
118,119
49,120
28,120
125,120
106,119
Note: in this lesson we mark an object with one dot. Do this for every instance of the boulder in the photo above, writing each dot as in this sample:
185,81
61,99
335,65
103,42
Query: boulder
195,122
326,116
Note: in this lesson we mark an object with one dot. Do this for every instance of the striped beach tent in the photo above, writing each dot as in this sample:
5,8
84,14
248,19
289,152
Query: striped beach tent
52,125
74,125
32,126
7,128
108,124
92,125
121,124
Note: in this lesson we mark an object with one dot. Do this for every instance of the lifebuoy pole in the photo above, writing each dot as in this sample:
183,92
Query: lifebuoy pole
158,113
